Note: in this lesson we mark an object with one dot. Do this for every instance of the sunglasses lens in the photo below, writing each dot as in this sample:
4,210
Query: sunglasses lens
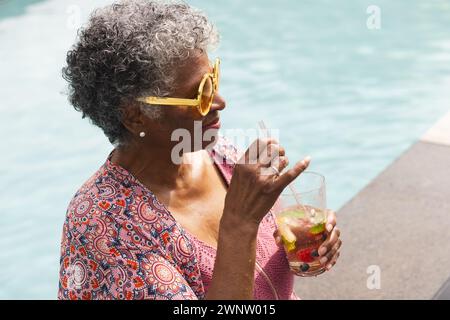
207,96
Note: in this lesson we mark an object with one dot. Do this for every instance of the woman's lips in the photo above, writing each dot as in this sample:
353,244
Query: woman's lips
215,124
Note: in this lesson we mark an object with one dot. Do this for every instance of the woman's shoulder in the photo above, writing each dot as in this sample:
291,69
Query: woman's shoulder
103,202
84,201
116,231
89,196
118,206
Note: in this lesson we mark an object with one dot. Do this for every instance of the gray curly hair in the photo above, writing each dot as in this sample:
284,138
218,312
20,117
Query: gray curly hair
128,49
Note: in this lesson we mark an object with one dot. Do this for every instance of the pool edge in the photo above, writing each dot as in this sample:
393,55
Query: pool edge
412,192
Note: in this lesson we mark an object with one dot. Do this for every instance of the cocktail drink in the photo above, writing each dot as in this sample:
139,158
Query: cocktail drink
302,230
301,220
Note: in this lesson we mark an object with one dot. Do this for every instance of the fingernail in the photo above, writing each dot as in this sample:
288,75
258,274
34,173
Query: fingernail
323,260
329,227
328,266
307,159
322,251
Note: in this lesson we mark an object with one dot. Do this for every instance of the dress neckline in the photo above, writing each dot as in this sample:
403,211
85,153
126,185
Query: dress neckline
219,160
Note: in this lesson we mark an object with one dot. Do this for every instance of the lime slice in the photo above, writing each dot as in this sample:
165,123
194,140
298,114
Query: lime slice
294,213
318,228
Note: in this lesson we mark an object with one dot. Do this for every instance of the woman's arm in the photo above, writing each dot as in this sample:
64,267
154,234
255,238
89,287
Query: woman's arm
250,196
233,277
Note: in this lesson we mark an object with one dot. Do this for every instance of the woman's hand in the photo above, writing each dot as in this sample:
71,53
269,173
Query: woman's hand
253,190
329,251
255,186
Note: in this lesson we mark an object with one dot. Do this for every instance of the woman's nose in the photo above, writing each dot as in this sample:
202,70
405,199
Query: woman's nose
218,103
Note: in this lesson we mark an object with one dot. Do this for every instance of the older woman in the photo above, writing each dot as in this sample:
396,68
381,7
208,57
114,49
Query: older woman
145,226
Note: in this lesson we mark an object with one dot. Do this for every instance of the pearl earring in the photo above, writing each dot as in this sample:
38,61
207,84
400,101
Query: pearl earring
142,134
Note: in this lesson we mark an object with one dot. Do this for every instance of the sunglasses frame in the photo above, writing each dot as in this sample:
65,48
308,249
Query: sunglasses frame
165,101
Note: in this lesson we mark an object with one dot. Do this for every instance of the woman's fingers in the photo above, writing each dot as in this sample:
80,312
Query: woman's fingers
286,178
277,237
251,156
329,250
268,155
274,150
331,220
280,163
333,261
330,242
328,258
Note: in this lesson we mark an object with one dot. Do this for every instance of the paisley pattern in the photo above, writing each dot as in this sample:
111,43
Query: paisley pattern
119,242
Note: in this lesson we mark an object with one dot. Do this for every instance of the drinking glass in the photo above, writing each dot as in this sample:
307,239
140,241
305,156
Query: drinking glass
301,218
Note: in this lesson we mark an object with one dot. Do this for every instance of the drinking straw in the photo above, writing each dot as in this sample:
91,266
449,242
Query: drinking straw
263,127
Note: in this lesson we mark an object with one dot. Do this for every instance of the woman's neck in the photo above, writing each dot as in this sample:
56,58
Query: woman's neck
155,168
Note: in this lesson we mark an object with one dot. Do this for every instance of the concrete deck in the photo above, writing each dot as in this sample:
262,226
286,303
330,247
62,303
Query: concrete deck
399,222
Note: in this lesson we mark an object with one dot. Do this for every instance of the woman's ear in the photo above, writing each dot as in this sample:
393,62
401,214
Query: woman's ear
133,118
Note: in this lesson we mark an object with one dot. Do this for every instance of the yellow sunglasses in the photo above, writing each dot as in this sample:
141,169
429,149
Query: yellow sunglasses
206,90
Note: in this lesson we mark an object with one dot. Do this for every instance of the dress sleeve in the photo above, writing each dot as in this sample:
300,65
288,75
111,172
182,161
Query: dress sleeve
149,276
96,266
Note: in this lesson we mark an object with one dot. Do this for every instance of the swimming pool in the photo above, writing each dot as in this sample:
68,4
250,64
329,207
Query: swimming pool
352,97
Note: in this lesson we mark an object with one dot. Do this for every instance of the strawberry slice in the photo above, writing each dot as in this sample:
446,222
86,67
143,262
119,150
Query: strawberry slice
306,255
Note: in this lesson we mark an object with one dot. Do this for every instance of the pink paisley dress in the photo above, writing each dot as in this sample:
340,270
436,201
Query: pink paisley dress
120,242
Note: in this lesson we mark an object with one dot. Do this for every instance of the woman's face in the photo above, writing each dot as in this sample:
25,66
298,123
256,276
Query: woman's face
187,79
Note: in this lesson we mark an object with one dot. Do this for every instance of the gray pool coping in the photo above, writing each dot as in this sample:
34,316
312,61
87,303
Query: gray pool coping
398,224
444,292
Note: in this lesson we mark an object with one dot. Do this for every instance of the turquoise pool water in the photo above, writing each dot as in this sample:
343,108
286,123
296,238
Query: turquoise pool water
351,97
